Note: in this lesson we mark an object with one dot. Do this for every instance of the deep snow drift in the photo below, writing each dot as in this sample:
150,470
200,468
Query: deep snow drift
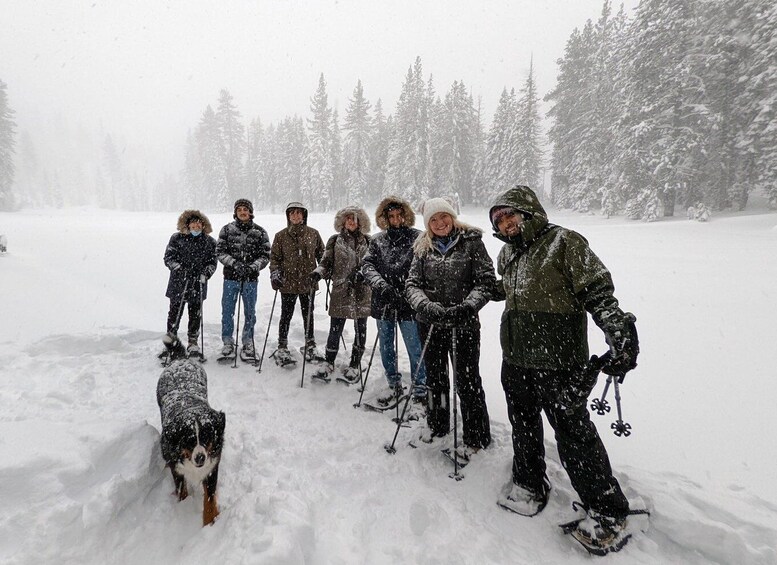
305,478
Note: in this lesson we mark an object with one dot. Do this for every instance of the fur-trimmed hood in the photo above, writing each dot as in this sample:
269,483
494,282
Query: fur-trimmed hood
424,244
361,216
186,215
380,212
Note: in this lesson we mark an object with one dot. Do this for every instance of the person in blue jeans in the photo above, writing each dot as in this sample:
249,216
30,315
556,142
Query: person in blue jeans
385,268
244,250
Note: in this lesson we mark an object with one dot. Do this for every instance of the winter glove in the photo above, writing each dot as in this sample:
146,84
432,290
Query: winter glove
459,314
498,291
624,346
356,278
209,271
276,280
434,312
242,271
314,277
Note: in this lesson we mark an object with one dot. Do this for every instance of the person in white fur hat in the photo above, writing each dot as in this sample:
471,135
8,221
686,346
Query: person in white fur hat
450,280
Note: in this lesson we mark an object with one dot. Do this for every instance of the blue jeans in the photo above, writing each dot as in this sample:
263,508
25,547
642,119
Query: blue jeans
228,301
388,353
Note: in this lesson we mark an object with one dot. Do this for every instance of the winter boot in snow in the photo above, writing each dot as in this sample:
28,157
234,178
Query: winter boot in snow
351,374
248,353
523,501
390,394
282,356
324,372
227,352
312,353
193,350
466,452
601,534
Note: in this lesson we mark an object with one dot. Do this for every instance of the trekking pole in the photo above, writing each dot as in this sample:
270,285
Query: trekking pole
600,405
456,476
237,325
369,365
307,329
267,335
396,357
390,448
620,427
202,322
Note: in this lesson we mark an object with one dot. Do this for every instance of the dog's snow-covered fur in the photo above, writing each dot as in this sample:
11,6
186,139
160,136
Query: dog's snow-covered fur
192,431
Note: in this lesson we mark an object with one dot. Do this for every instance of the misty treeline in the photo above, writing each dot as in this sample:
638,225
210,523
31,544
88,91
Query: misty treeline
674,106
677,106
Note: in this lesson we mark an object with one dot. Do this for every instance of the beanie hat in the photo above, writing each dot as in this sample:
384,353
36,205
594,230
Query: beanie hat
435,206
244,202
498,212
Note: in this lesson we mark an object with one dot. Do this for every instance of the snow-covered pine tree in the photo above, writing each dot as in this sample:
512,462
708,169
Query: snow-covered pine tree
192,177
337,191
377,162
7,148
293,156
252,170
456,144
215,189
497,146
233,146
356,157
527,124
321,172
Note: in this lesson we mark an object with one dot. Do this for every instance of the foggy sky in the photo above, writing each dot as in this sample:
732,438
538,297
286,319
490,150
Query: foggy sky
146,69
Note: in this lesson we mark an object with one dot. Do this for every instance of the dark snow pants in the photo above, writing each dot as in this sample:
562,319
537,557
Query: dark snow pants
474,413
582,453
288,301
195,315
336,327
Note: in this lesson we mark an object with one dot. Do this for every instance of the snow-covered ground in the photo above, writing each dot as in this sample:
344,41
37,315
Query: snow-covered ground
305,478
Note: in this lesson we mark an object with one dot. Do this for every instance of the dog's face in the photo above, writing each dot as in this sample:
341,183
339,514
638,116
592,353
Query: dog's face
198,442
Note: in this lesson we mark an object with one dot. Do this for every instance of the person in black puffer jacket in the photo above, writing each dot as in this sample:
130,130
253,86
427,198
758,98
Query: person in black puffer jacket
385,269
244,250
191,257
450,280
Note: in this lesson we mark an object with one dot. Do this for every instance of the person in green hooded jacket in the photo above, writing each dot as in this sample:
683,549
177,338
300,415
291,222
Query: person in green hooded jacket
551,281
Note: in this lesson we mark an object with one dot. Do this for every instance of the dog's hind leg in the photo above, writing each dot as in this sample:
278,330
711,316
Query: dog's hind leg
210,508
180,485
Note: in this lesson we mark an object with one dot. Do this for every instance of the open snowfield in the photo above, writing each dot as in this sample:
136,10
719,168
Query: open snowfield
305,478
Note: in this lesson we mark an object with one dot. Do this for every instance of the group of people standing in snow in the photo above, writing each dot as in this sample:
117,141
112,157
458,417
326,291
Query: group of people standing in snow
430,285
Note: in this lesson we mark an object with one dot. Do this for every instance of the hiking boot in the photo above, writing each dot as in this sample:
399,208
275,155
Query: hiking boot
599,531
426,435
312,353
228,350
324,372
521,500
351,374
193,349
248,351
283,357
465,452
390,394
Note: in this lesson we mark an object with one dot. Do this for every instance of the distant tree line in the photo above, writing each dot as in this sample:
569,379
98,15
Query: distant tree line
676,107
430,146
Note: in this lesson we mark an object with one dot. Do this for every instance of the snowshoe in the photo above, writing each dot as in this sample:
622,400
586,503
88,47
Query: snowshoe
324,372
349,376
378,407
248,353
282,357
390,394
227,353
520,500
312,353
453,457
600,534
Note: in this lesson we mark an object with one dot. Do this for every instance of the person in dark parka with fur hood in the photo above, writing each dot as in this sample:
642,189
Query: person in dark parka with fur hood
191,257
450,280
551,280
350,298
385,269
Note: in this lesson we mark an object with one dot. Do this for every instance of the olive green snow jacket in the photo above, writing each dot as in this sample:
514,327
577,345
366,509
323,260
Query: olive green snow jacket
550,279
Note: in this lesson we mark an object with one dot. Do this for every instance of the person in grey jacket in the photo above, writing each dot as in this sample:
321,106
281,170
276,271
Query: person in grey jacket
350,298
450,280
244,250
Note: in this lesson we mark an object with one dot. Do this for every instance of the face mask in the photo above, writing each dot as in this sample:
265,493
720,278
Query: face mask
195,233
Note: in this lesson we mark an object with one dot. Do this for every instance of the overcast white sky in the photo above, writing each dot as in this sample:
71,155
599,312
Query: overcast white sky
146,68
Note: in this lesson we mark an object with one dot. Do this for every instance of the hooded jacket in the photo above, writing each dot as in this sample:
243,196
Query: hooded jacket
340,263
464,274
188,256
550,279
388,259
295,253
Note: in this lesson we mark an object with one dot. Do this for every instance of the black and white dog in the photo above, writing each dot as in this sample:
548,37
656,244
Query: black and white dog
192,431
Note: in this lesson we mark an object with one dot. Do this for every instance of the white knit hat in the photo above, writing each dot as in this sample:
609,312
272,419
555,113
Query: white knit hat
435,206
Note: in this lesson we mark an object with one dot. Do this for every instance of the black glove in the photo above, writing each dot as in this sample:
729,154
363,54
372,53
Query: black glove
276,280
624,346
208,271
315,276
459,314
356,278
242,271
434,312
